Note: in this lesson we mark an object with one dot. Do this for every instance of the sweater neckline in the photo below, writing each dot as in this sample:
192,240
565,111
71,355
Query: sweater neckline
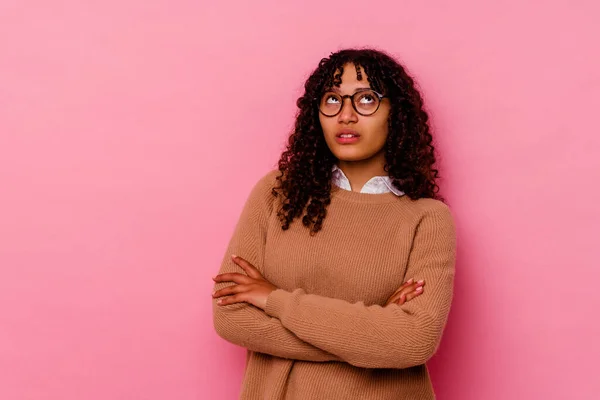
359,197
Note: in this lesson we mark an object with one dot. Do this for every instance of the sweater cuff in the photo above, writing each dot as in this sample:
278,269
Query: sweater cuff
276,302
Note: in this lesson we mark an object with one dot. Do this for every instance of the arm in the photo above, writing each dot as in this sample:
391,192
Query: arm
243,324
382,337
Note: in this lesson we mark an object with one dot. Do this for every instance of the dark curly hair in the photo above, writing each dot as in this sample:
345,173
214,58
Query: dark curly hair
306,164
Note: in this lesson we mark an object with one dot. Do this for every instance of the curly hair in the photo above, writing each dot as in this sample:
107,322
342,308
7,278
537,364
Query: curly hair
306,164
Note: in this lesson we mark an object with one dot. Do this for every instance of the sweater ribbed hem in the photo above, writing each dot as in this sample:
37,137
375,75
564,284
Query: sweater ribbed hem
276,302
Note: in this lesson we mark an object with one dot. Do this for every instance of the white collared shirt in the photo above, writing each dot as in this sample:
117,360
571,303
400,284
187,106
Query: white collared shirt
375,185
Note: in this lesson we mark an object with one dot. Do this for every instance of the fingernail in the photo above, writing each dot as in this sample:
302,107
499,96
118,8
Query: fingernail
421,282
418,289
410,281
213,293
233,256
219,301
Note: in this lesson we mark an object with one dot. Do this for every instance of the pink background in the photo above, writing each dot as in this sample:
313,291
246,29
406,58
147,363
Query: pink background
132,131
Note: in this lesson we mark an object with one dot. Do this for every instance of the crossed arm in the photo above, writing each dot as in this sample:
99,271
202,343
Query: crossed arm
258,332
307,327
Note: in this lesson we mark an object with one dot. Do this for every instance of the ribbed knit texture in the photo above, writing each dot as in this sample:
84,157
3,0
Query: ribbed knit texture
325,333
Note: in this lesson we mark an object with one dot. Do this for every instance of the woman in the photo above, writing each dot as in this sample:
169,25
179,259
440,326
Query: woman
315,282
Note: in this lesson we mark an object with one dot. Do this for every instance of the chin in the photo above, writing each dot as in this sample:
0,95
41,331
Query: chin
351,155
349,159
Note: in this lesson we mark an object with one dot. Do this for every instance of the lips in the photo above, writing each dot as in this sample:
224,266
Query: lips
347,136
347,133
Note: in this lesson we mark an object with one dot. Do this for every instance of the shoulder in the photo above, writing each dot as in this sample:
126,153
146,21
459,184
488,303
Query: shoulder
432,206
436,220
261,194
266,182
269,179
431,211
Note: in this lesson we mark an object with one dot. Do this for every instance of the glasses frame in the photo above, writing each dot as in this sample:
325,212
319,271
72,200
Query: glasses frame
351,97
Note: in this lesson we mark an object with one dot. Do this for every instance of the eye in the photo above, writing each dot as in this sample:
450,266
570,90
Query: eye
366,98
331,99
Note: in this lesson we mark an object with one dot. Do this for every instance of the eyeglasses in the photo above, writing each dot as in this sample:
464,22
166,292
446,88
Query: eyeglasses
365,102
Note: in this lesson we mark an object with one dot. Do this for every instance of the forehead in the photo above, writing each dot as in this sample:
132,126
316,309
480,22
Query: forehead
350,78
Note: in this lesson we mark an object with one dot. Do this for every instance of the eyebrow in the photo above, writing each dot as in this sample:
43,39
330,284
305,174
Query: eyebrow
335,89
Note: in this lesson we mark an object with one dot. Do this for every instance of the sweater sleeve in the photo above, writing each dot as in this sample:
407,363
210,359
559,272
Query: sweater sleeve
375,336
243,324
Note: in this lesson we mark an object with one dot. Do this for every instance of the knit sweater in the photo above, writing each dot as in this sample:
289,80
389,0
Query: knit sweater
325,332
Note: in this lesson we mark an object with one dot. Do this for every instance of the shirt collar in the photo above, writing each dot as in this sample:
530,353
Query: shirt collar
375,185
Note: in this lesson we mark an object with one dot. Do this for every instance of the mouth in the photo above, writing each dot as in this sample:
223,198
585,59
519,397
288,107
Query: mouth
347,136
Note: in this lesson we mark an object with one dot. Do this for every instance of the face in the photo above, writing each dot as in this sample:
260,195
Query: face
372,130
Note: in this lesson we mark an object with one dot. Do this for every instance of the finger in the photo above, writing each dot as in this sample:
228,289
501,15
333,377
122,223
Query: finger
401,295
236,298
413,287
229,290
247,267
403,291
233,277
410,281
411,295
405,284
418,291
395,297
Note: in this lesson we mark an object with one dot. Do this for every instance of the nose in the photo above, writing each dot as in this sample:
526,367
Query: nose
347,113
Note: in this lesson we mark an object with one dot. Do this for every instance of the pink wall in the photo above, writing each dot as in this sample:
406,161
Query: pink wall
132,131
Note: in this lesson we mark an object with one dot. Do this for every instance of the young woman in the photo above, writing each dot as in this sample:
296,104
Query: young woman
324,278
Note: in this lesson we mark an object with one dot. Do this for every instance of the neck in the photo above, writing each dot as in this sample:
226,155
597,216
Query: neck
359,172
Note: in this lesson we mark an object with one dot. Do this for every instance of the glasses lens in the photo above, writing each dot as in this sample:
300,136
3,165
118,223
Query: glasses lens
366,102
330,103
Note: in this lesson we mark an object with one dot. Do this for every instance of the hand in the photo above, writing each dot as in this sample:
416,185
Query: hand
251,288
408,291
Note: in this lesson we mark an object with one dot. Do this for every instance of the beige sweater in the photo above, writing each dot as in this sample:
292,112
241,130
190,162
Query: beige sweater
325,333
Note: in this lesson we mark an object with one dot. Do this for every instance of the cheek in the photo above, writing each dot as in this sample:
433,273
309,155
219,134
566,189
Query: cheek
385,130
327,125
379,129
381,124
